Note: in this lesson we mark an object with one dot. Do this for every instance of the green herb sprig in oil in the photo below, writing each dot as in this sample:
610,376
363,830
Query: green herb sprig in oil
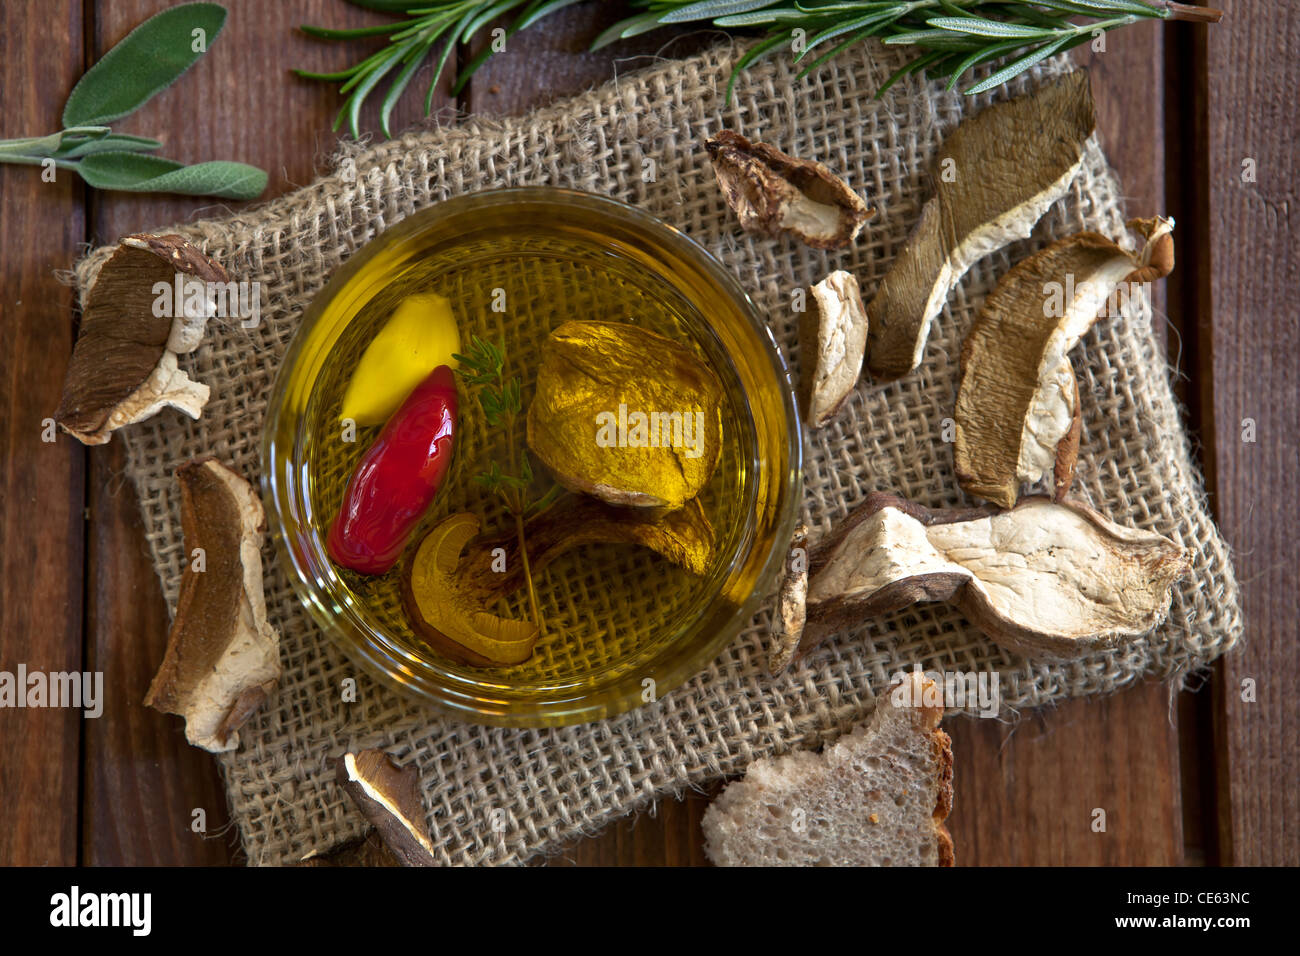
500,397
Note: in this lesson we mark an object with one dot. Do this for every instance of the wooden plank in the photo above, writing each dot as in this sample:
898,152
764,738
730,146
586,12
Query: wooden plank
668,835
1252,374
41,484
142,781
554,59
1029,797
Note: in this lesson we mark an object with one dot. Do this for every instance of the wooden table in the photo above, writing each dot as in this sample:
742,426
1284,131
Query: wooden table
1200,777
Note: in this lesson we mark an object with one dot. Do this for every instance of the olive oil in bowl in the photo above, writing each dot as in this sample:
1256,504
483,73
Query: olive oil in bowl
621,624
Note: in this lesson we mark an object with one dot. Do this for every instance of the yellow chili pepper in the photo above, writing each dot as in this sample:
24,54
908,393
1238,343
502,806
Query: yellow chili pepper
421,335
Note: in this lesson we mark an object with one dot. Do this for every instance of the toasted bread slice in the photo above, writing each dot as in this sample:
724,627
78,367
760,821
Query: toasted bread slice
876,797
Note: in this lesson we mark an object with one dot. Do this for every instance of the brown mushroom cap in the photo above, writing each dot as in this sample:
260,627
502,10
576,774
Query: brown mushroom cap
1017,400
773,193
389,798
121,368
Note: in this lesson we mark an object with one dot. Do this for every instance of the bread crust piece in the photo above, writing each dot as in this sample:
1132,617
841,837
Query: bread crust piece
805,808
942,744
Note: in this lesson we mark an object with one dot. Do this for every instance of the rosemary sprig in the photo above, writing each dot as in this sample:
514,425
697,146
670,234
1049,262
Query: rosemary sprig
484,368
951,37
411,41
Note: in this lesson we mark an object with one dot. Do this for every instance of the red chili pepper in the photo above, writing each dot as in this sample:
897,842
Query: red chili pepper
396,480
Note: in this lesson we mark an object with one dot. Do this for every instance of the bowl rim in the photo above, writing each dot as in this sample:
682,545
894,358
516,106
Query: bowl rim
380,663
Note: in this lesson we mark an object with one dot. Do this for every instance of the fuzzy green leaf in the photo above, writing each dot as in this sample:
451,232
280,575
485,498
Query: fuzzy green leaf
138,172
113,142
147,61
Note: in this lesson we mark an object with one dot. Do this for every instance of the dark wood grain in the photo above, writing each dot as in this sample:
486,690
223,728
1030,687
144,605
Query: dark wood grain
555,59
41,525
1253,375
1029,795
143,782
1024,795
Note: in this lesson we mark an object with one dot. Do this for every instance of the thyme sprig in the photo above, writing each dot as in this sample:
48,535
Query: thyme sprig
500,396
951,37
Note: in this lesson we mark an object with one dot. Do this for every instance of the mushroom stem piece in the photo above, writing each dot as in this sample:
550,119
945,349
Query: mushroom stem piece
833,341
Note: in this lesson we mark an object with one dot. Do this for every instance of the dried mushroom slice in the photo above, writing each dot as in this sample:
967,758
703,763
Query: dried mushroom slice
684,536
123,367
389,798
833,339
451,616
1046,579
791,605
222,658
1067,449
625,415
772,193
995,177
1017,401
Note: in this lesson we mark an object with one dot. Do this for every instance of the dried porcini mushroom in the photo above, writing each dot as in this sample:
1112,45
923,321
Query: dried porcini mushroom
222,658
1046,579
1018,398
123,367
625,415
684,537
772,193
833,338
389,798
791,605
451,617
1067,449
995,177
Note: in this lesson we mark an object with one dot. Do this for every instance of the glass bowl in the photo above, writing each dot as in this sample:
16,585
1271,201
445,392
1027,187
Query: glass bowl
601,653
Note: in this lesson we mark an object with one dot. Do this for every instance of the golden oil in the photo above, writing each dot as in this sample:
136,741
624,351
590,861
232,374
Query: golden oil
615,616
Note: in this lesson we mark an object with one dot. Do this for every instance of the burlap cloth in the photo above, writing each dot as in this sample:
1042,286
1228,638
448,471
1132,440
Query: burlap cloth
547,786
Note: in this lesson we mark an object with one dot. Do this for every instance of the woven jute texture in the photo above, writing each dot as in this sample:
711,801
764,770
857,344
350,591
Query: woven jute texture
501,796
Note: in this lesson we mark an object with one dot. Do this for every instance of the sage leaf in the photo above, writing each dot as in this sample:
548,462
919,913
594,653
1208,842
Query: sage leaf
147,61
41,146
138,172
112,143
